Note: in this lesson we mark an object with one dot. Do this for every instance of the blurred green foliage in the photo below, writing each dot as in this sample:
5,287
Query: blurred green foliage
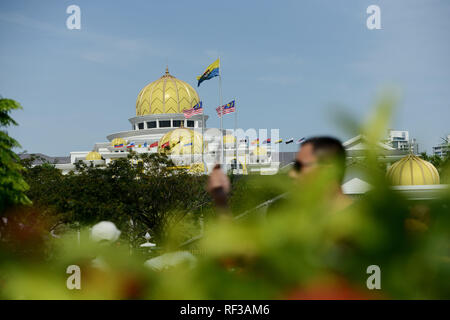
305,246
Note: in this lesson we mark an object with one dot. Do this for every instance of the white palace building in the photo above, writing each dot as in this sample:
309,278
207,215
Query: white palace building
160,126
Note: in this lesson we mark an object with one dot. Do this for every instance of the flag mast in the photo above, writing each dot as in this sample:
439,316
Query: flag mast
235,136
203,140
221,117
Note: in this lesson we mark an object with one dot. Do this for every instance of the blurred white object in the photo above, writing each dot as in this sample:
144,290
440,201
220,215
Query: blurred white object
105,231
147,244
171,259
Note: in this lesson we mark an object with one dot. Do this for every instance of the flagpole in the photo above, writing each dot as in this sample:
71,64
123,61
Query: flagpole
221,116
203,139
235,136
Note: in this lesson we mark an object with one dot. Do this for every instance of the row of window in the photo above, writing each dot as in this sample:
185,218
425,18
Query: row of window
166,124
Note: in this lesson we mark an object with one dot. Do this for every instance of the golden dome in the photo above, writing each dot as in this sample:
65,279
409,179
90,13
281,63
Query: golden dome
166,95
118,142
181,141
412,170
93,155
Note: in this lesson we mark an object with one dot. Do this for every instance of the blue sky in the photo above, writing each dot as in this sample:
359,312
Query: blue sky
289,64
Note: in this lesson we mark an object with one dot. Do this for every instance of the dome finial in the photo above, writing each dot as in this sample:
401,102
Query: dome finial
167,69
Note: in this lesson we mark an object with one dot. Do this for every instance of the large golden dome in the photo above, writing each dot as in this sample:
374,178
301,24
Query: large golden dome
166,95
412,170
181,141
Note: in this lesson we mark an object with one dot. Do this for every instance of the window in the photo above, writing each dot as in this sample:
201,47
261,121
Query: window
164,123
177,123
151,124
190,123
141,126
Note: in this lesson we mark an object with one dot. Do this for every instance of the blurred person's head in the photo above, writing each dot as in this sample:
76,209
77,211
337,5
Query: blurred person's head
318,153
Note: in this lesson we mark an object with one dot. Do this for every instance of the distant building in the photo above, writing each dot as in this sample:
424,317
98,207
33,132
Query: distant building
39,158
400,140
443,148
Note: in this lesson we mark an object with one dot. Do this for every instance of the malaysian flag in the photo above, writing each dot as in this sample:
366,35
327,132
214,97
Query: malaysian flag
197,109
154,144
165,145
228,108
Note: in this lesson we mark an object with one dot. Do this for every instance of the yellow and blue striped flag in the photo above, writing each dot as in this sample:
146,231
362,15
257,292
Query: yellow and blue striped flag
210,72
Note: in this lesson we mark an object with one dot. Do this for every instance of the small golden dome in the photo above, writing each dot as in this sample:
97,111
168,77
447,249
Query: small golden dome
118,141
93,155
181,141
412,170
166,95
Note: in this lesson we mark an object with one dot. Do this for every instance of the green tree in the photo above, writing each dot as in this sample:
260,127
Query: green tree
12,184
144,188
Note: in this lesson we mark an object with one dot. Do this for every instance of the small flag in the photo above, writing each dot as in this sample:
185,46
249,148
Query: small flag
300,141
139,146
197,109
154,144
268,141
255,141
290,140
118,145
279,141
145,144
130,145
225,109
210,72
165,145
